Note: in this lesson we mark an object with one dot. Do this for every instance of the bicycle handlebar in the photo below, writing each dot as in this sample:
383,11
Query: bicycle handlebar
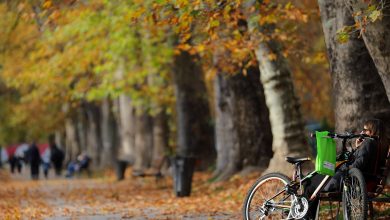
345,136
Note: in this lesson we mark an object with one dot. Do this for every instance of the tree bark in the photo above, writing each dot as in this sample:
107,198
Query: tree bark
126,129
195,133
94,141
160,140
82,130
226,137
376,38
126,122
109,133
243,130
289,138
60,139
72,146
357,87
285,115
143,141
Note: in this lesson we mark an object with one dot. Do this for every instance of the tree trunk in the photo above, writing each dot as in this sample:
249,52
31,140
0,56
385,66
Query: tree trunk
289,138
243,130
82,130
357,87
126,122
143,141
60,139
226,137
126,129
376,38
160,140
94,141
109,134
253,120
72,145
195,133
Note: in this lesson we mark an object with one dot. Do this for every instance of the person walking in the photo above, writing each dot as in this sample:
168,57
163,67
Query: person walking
34,158
57,156
46,162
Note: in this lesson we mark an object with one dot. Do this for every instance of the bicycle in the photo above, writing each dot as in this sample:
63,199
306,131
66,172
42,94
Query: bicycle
276,196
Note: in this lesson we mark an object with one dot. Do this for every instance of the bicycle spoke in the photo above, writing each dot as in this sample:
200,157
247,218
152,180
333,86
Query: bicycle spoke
354,196
267,199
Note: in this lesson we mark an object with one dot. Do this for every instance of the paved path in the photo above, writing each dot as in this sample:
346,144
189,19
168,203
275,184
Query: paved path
92,199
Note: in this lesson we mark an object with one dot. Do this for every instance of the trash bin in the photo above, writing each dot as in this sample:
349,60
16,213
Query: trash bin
120,169
183,170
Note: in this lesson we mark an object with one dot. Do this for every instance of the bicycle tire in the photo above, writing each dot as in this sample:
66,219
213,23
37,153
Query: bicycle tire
354,196
274,181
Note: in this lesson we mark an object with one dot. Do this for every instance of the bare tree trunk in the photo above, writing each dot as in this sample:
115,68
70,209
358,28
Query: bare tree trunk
243,130
289,138
126,122
160,139
94,141
285,115
109,134
143,141
226,137
82,130
60,139
71,136
376,37
195,133
126,129
71,142
227,140
253,120
357,87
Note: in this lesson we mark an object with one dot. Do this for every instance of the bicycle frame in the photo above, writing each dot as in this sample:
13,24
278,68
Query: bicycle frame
303,179
310,175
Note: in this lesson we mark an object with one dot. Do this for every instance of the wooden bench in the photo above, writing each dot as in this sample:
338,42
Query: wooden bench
377,191
156,173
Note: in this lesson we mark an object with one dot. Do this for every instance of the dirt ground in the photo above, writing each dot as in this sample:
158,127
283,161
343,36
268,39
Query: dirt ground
102,197
105,198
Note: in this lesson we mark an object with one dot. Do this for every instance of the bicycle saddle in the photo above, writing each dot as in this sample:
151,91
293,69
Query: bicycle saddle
297,159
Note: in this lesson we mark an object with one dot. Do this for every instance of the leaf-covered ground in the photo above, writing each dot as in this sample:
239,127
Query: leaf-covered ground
133,198
104,198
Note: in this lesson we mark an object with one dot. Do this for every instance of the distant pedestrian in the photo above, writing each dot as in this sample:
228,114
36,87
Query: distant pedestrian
57,155
46,162
15,162
34,159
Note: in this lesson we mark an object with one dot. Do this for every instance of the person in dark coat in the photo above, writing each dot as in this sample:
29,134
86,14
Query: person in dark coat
34,159
56,155
12,162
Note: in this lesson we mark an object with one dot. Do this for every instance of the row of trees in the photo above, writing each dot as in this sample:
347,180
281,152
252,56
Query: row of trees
215,80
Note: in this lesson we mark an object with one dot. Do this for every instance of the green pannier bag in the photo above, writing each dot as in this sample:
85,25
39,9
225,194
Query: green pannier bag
326,154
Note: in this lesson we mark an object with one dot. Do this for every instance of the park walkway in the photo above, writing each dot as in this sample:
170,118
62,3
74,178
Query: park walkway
104,198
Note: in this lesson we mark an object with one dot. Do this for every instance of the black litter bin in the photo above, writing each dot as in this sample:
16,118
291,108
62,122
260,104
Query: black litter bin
120,169
183,170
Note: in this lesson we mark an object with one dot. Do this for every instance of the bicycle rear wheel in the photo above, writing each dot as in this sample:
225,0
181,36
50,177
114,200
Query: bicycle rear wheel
355,204
267,198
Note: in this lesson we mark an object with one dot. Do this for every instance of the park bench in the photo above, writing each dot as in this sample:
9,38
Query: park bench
376,190
157,174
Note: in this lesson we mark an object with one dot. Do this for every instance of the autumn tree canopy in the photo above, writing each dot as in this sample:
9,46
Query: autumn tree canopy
56,52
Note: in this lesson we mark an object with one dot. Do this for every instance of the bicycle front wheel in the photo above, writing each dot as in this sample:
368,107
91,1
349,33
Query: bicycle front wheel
355,204
267,198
